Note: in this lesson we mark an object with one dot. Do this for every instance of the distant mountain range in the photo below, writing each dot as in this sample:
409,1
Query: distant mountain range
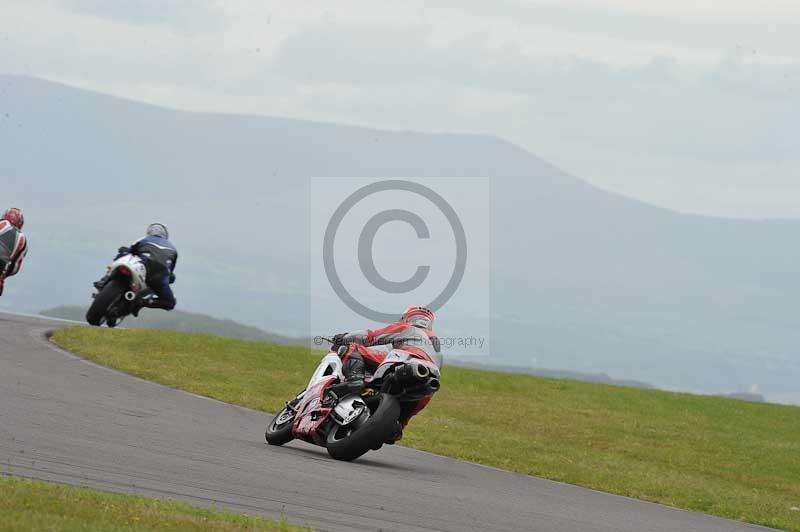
582,279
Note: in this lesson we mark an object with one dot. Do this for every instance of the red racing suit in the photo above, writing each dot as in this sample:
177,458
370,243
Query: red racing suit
401,336
13,248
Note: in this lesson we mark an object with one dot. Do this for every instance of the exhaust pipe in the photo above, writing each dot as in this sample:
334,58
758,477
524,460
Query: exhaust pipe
421,371
434,384
412,373
130,296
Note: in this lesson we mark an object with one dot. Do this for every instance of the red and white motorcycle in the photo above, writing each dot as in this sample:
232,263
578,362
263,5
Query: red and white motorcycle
352,425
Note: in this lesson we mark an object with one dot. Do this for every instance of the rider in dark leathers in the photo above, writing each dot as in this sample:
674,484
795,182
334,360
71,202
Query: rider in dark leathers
160,257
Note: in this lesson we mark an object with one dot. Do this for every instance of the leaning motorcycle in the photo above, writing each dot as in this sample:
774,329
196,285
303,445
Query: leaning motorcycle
352,425
125,280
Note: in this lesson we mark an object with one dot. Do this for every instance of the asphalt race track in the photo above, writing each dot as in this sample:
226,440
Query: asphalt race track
68,420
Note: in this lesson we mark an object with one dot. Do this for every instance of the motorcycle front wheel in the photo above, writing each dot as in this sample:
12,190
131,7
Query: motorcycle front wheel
111,292
279,430
353,440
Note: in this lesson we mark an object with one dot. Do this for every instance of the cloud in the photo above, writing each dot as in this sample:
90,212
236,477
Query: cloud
675,104
734,110
183,15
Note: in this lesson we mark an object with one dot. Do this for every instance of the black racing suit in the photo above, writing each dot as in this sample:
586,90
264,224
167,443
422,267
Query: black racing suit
160,257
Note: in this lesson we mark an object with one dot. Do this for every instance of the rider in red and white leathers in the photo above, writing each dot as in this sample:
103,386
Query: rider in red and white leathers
413,334
13,244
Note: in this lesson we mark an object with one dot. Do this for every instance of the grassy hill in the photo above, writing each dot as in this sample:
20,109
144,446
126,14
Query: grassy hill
179,320
725,457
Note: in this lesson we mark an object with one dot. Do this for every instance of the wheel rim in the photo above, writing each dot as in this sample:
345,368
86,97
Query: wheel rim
283,418
342,432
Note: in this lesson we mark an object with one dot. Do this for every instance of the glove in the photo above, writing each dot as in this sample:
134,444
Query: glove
338,341
124,250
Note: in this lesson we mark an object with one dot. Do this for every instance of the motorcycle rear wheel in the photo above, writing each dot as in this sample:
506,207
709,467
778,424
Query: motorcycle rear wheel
348,444
111,292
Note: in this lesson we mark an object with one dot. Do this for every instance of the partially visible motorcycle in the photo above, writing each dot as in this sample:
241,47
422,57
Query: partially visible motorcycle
123,284
354,424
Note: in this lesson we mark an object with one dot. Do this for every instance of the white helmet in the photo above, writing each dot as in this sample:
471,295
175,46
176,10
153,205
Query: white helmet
421,317
158,229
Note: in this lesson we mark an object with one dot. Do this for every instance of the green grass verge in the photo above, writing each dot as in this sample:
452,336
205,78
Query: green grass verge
27,505
720,456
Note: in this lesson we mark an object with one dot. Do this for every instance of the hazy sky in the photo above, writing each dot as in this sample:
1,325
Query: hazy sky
690,104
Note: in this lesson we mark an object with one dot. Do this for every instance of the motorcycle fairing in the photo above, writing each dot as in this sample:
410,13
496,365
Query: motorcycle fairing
397,356
311,413
135,265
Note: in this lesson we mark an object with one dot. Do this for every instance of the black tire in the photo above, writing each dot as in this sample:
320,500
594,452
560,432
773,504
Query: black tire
113,290
278,434
380,426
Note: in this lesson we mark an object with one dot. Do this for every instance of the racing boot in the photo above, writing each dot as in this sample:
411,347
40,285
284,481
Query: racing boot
141,301
353,371
149,299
